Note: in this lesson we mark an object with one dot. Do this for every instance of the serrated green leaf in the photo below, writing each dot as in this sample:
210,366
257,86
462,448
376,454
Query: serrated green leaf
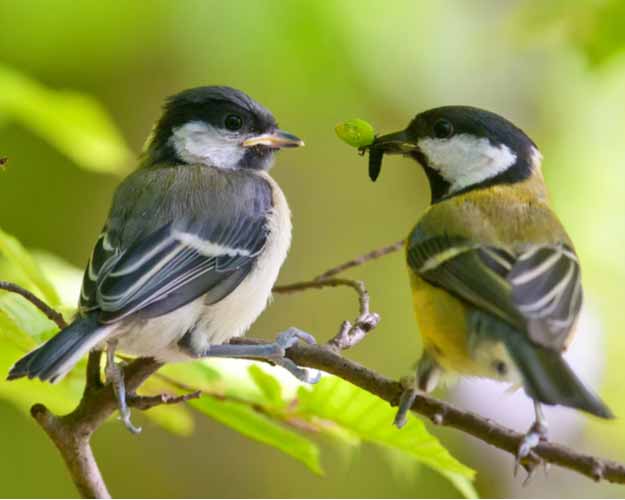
244,419
237,383
19,258
268,385
370,418
74,123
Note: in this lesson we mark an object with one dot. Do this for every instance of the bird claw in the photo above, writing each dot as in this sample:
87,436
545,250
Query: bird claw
115,376
291,337
125,418
288,339
301,374
531,470
536,434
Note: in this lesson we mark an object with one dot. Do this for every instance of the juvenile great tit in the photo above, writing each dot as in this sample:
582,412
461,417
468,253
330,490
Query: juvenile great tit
495,279
191,248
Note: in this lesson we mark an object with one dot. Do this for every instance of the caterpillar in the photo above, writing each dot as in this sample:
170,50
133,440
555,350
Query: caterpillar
375,163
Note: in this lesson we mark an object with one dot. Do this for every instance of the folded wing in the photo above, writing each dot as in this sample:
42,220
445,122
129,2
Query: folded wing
537,291
170,267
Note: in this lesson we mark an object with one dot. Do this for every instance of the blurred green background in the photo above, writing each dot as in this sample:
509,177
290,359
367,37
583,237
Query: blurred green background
554,68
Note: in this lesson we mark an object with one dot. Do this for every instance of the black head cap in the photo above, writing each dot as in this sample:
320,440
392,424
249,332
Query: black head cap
231,116
463,148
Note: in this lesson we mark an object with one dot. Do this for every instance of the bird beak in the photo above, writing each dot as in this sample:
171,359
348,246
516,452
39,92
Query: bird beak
395,143
277,139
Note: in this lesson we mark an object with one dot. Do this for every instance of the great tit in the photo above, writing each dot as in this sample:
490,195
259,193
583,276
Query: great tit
191,249
495,278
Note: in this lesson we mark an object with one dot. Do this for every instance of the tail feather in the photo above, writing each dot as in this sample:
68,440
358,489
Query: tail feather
549,379
57,356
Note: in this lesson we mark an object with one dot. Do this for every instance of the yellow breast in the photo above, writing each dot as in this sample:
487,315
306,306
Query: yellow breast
441,321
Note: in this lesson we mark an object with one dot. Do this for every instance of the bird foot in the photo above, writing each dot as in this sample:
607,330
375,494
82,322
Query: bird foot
115,376
406,400
536,433
288,339
274,352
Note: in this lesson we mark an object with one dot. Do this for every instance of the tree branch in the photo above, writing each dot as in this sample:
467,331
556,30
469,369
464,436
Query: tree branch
445,414
71,433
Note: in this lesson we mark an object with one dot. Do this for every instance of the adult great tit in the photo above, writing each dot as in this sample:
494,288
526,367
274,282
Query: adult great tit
495,278
191,249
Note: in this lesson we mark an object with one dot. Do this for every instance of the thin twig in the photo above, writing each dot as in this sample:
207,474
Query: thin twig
359,261
349,334
147,402
52,314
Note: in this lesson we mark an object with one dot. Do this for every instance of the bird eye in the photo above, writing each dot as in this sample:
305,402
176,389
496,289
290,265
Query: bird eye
443,129
233,122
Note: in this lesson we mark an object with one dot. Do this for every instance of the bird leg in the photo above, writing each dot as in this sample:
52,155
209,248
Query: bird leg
115,376
274,352
428,375
406,400
536,433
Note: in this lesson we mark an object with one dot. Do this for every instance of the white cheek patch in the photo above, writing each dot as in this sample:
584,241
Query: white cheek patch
198,142
465,160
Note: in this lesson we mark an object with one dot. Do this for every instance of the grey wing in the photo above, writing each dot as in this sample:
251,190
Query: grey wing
547,290
538,291
104,252
170,267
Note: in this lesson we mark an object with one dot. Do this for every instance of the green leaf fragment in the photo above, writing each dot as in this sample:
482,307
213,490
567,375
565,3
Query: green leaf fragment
11,334
194,374
356,132
29,270
25,316
74,123
60,398
370,418
269,386
173,418
66,277
249,422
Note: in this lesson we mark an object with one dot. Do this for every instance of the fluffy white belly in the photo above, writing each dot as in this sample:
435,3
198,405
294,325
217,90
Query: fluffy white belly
230,317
